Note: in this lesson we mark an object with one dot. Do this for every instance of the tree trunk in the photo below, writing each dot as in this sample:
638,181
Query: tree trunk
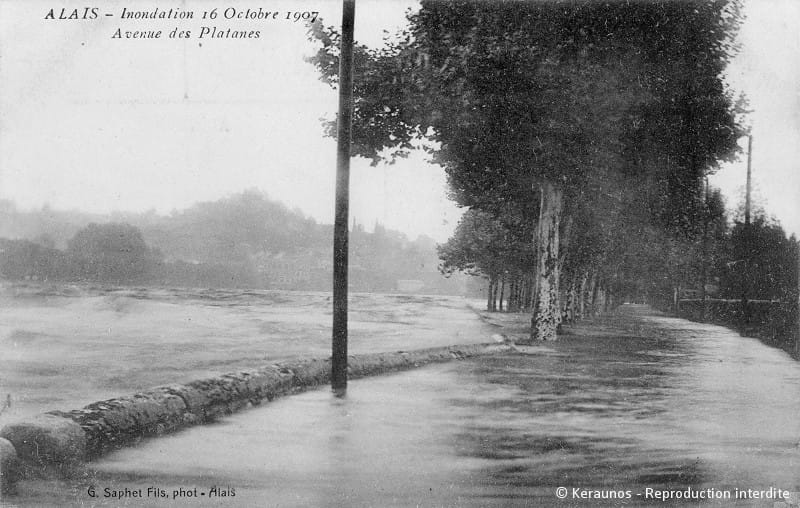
502,290
512,288
489,295
568,314
546,311
576,297
516,294
494,296
582,301
600,302
529,292
523,298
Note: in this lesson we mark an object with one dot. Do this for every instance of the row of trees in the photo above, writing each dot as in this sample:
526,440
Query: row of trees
112,253
482,245
724,259
572,131
245,240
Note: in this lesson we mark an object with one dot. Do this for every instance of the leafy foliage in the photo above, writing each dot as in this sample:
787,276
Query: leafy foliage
483,245
621,105
112,252
245,240
21,259
763,262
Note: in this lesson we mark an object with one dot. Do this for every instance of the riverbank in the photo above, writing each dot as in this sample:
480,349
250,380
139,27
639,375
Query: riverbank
59,441
63,348
627,402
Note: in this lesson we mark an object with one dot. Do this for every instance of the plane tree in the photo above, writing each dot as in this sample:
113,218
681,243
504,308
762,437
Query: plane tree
536,105
496,248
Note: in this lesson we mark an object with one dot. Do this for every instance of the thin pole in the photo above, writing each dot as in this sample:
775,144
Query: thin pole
749,171
704,273
747,239
339,342
797,330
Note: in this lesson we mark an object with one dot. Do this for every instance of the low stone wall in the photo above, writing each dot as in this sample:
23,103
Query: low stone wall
61,439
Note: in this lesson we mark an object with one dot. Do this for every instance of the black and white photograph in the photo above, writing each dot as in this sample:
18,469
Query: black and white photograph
399,253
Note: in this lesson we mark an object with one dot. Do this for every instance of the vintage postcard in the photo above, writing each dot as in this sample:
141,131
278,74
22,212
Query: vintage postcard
458,253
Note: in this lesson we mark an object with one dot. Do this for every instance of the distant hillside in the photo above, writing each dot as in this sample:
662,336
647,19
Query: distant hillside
230,229
49,227
243,240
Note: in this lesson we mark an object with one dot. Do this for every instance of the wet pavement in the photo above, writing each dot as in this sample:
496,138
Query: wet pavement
637,408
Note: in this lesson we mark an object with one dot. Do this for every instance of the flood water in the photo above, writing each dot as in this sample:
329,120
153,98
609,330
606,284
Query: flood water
649,403
63,347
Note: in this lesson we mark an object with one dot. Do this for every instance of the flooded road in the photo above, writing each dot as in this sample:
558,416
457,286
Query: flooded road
637,405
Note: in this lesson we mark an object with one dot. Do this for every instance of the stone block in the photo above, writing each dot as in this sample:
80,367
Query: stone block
47,439
10,467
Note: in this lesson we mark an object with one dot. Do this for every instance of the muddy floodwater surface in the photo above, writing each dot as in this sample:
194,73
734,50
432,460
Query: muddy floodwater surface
641,405
68,346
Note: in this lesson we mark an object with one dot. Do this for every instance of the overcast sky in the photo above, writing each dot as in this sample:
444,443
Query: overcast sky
767,70
102,124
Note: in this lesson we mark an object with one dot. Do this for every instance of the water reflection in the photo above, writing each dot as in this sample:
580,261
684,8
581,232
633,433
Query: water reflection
696,407
666,405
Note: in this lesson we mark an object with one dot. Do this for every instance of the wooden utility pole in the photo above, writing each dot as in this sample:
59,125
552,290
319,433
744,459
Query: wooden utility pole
747,234
704,271
340,247
747,192
797,329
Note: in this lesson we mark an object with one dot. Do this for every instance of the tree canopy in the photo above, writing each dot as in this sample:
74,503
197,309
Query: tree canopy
561,111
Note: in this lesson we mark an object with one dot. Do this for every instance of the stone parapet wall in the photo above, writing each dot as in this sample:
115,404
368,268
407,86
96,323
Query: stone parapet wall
60,439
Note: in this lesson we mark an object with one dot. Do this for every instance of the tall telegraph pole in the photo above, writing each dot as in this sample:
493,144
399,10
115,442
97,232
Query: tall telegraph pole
339,342
747,192
704,272
748,241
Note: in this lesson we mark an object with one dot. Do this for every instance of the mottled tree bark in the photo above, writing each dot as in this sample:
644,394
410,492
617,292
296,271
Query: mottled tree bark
582,301
489,295
546,310
600,302
502,290
494,296
513,303
528,302
568,313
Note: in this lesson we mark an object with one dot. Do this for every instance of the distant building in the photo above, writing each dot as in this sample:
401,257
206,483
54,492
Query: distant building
295,271
409,285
